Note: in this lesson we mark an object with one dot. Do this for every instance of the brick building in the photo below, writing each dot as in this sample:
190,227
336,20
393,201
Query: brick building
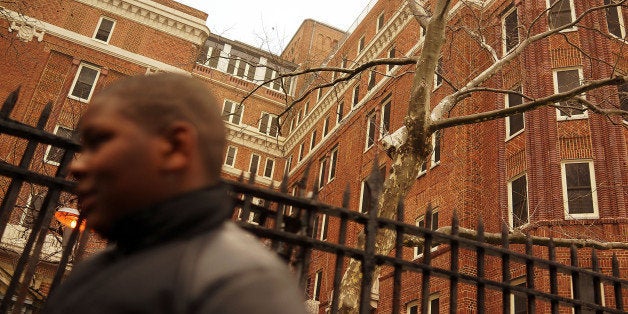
543,172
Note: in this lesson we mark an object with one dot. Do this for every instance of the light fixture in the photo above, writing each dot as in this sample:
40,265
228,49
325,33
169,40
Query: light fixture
68,217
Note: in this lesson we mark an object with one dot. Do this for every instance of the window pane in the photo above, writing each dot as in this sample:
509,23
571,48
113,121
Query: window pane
519,198
226,111
560,13
104,30
580,199
612,19
84,83
515,122
511,31
568,80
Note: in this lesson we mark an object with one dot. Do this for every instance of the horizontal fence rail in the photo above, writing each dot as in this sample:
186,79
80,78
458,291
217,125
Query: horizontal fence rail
288,225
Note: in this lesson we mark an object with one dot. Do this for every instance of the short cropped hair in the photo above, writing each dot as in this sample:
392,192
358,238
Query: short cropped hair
156,101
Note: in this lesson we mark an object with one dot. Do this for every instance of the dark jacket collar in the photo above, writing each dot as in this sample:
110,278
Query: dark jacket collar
177,218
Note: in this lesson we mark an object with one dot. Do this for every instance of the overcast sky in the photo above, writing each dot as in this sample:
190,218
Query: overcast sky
270,24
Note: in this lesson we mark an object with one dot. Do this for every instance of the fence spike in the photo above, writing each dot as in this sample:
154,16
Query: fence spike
241,177
283,187
619,302
9,103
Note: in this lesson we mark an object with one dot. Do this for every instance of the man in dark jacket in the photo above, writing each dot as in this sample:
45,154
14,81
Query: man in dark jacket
148,177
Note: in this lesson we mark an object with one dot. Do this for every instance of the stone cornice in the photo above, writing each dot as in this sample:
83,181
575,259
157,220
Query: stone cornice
156,16
245,135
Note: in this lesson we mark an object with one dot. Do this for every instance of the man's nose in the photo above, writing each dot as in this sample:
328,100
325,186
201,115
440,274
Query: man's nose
77,167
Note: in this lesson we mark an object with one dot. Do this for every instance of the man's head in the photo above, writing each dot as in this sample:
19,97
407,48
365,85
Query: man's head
146,139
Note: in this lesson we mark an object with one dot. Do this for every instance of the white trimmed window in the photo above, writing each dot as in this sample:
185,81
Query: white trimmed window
365,197
615,20
319,94
230,158
232,112
518,214
306,107
322,172
313,140
391,54
514,123
322,234
587,291
269,168
436,147
333,159
254,165
371,126
518,302
565,80
412,307
510,30
84,82
268,124
301,147
372,80
356,96
384,123
561,13
361,44
318,281
288,165
380,22
54,154
326,126
239,67
433,307
104,29
422,169
579,189
340,112
421,223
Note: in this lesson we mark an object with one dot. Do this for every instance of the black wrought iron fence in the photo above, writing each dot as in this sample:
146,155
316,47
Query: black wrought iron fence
286,223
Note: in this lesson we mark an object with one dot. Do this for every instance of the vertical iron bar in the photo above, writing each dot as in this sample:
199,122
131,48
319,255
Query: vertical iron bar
9,104
530,275
374,183
13,191
551,249
480,269
281,209
575,279
505,271
619,302
399,233
597,284
304,216
427,259
67,252
454,260
342,238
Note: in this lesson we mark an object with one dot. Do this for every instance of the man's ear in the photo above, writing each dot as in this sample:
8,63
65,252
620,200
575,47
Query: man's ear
181,144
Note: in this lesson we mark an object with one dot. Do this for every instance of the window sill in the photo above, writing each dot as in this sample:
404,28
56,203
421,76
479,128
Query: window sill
434,164
510,137
78,99
594,215
570,118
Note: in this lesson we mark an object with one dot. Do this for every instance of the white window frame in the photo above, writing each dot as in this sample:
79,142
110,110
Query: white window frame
313,140
505,30
507,105
595,214
371,123
50,147
386,107
620,21
560,117
510,201
412,304
316,289
325,127
235,153
319,94
573,15
361,44
113,26
363,186
391,54
76,77
323,231
601,287
372,80
288,164
272,168
323,163
234,106
271,118
300,156
306,106
515,282
251,163
355,99
340,114
379,23
435,162
421,218
333,160
422,169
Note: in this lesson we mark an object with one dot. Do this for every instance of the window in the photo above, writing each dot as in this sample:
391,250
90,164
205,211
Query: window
566,80
305,108
421,223
422,169
213,55
31,211
325,126
254,164
365,197
332,163
560,13
361,44
370,130
380,22
434,305
436,146
292,125
615,19
587,291
318,280
232,112
104,29
356,95
84,82
242,68
372,80
55,154
301,152
412,307
255,215
313,140
269,168
231,156
391,54
514,123
322,172
384,124
518,202
518,302
438,78
622,90
288,164
510,30
268,124
579,193
340,112
319,94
